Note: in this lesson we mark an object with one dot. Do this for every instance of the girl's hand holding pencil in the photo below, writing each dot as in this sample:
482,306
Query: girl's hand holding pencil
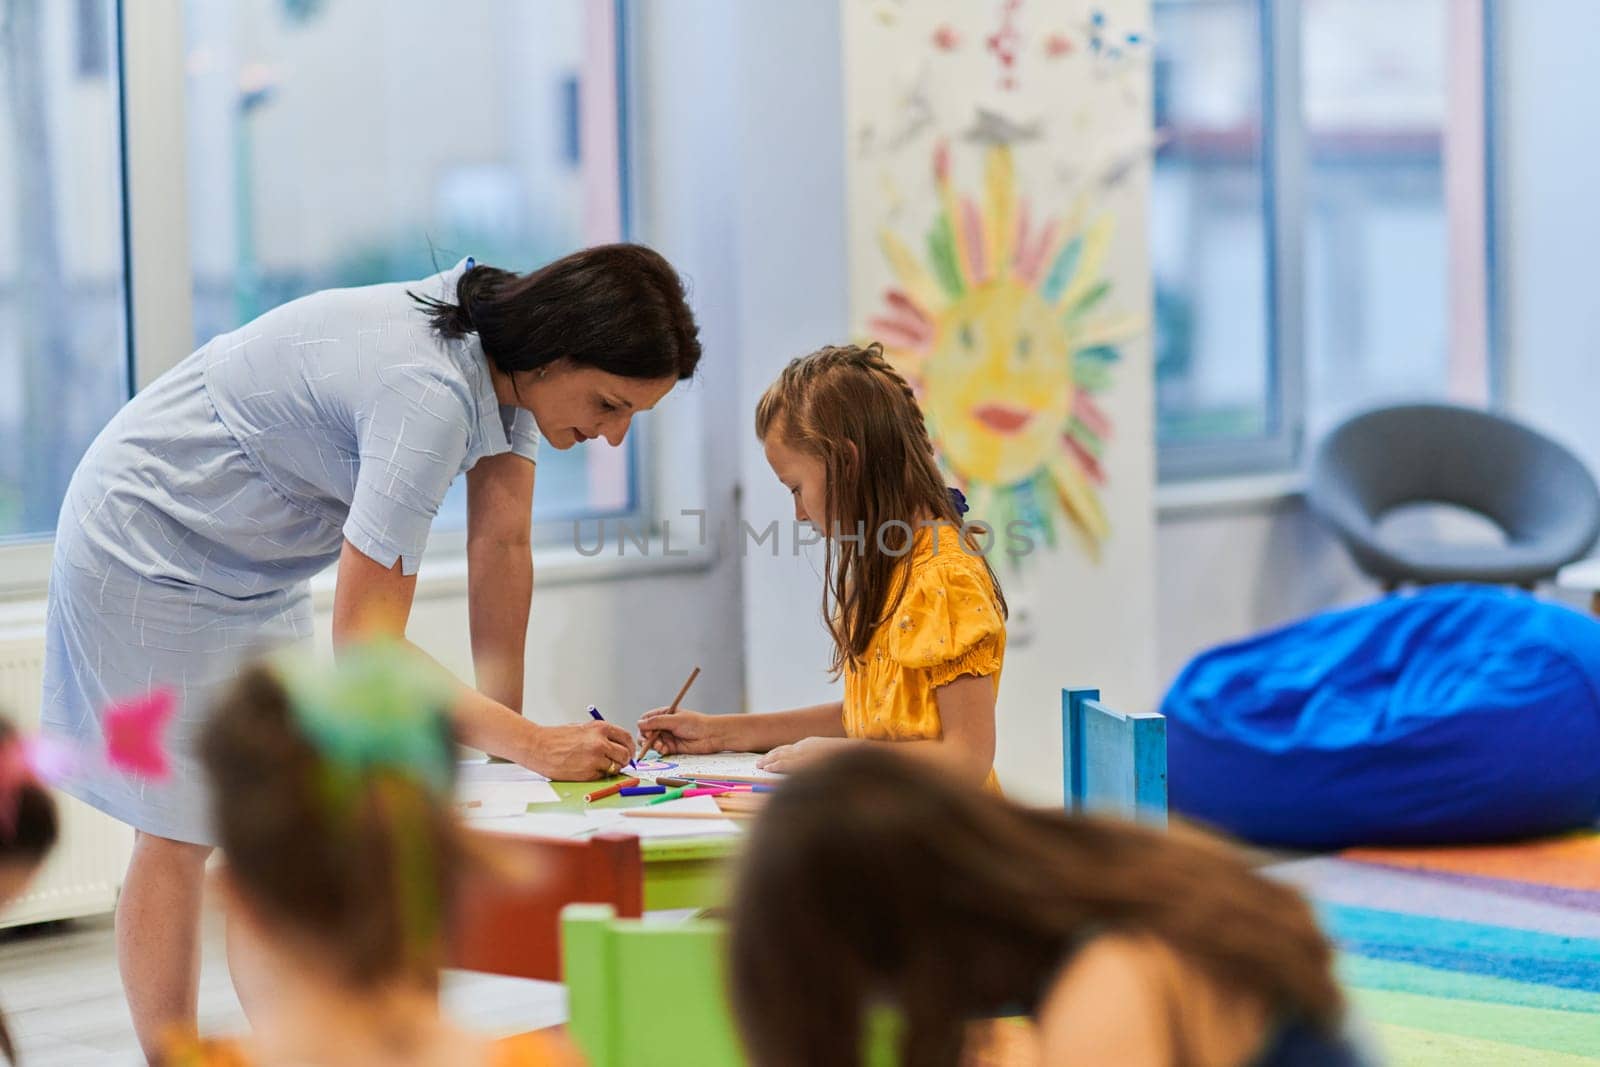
681,733
653,737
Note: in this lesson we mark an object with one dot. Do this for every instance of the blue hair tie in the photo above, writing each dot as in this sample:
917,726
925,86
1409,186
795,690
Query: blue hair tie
959,499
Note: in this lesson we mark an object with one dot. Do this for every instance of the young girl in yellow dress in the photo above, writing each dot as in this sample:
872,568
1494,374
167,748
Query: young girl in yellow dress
331,795
914,609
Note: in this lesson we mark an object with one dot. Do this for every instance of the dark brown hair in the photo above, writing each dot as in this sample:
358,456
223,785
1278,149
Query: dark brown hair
850,409
28,826
872,879
334,865
619,308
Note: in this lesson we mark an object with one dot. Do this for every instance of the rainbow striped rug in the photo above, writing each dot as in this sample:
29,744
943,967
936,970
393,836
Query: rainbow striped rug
1461,957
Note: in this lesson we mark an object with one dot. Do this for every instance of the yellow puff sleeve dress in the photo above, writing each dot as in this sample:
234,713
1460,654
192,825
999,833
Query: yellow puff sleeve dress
948,623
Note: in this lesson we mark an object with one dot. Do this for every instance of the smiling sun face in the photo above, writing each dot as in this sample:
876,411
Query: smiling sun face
1002,335
997,386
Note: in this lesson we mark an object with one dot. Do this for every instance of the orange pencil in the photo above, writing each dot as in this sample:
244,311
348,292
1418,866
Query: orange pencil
610,791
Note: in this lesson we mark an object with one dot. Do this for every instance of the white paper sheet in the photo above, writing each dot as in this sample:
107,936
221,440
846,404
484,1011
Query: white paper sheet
740,763
583,824
537,824
477,770
492,800
615,820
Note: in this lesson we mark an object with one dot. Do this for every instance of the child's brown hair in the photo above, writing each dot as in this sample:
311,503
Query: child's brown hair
352,854
28,824
847,407
872,878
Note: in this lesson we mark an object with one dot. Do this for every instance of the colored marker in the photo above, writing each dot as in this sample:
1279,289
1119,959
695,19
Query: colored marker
671,794
611,790
594,713
687,782
715,792
641,790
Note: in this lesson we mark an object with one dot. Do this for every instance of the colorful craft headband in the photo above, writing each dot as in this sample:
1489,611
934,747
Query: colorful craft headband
378,722
377,710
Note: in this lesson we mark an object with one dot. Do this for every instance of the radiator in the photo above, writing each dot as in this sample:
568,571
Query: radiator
84,872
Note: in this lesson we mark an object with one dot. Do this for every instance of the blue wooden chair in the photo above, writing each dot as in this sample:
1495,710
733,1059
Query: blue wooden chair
1114,763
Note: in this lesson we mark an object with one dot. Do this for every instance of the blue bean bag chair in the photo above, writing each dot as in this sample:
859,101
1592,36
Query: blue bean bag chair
1452,715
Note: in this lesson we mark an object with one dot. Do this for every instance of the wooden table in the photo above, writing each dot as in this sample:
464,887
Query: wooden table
691,872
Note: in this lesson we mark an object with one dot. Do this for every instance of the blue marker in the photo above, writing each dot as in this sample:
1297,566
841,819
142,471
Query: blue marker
594,713
641,790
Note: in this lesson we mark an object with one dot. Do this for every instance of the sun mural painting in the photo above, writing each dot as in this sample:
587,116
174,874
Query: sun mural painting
1003,332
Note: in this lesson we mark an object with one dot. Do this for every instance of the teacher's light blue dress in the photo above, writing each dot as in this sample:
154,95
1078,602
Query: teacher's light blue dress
195,519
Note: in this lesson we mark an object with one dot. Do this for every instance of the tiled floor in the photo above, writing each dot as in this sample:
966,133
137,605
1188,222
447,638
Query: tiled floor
63,1000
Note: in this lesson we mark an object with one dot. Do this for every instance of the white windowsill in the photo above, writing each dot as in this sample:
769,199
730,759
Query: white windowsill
1222,496
24,567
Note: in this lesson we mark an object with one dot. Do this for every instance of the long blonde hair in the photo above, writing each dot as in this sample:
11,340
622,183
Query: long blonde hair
847,407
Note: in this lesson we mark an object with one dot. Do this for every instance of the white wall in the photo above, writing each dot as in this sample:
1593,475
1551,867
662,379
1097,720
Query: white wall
788,215
1549,218
1228,571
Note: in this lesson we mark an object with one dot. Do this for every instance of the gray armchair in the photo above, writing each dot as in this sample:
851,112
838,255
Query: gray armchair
1538,493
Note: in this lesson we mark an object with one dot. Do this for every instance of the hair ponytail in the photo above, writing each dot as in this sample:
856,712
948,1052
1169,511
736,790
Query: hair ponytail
617,308
475,288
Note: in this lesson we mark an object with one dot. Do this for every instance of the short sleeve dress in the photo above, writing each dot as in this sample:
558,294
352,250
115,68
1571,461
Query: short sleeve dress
197,517
948,623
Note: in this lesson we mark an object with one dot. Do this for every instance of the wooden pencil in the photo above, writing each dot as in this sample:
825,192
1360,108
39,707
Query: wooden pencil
647,742
643,813
739,802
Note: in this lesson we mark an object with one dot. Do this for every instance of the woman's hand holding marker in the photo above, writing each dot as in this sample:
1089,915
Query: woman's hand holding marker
580,752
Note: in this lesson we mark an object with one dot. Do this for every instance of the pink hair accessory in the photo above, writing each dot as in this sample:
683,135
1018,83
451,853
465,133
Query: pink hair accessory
135,732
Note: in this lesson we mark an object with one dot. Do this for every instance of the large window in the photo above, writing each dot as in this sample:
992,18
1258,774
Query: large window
339,143
1302,234
63,310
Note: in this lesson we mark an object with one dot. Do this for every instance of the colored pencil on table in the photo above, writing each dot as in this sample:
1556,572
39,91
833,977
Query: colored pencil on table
645,813
610,791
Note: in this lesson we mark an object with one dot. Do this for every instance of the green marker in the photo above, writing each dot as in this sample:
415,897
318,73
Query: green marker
671,794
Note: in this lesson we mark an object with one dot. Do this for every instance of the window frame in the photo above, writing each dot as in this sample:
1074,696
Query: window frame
150,45
1283,448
